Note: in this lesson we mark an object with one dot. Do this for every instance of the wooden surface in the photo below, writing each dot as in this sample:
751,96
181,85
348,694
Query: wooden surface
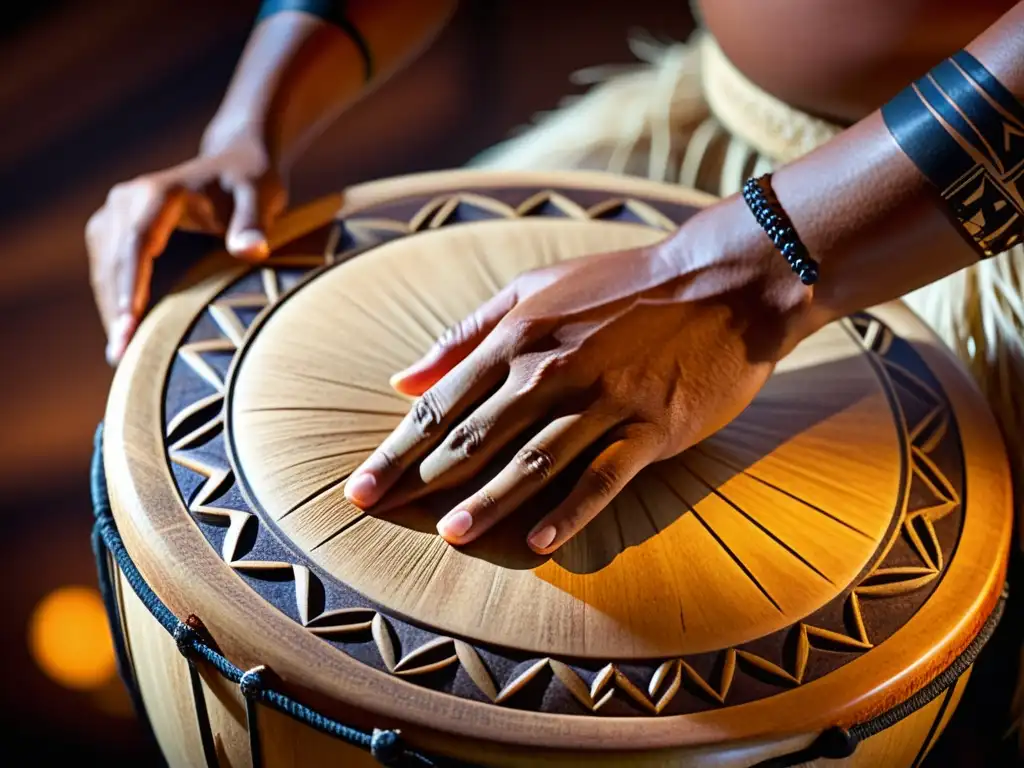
707,550
191,576
169,701
163,680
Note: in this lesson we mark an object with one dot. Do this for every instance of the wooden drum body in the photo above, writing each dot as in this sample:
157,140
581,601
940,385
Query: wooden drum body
825,559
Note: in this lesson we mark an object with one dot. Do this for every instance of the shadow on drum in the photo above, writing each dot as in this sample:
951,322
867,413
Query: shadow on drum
791,403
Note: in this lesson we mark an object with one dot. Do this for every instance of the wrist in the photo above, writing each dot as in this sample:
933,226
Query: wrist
227,133
725,246
871,220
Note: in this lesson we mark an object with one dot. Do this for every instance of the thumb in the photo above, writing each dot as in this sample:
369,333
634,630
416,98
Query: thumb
247,230
456,343
139,234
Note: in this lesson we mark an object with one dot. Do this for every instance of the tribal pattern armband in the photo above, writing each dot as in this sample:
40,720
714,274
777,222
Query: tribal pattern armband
331,11
965,132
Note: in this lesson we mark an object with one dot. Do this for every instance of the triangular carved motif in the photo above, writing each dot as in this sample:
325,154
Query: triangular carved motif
201,421
551,204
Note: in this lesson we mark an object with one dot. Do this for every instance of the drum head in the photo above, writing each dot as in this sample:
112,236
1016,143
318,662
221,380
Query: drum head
816,561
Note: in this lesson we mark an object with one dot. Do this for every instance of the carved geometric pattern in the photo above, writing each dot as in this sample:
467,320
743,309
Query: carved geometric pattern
980,125
354,235
912,559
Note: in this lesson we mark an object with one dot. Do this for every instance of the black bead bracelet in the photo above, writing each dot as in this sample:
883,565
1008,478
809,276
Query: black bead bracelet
765,206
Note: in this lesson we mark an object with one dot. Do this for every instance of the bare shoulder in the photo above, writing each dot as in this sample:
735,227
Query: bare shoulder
884,44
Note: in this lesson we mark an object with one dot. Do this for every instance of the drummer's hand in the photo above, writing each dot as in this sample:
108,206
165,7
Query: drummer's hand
635,355
231,188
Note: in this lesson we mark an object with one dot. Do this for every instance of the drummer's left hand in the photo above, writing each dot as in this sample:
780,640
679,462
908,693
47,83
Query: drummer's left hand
637,355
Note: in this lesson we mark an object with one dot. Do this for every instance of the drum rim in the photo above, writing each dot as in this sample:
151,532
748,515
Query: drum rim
167,563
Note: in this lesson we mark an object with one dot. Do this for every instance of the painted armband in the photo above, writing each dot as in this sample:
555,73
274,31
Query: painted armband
331,11
965,132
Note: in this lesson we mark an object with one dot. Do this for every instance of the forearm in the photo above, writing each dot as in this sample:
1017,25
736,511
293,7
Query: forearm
873,222
878,227
299,72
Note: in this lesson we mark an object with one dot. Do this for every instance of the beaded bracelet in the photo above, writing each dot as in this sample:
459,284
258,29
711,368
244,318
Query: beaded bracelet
765,206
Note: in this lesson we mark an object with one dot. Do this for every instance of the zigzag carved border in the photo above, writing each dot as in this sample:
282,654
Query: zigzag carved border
195,427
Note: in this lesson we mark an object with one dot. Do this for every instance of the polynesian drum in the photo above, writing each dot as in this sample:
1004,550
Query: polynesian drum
730,608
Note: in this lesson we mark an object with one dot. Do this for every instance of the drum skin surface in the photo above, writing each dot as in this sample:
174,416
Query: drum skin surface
813,564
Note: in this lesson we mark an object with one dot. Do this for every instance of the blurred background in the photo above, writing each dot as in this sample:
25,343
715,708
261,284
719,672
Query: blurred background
96,92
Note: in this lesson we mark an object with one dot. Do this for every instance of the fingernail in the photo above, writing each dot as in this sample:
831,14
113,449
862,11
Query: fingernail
455,524
249,243
118,339
542,538
361,489
112,356
393,381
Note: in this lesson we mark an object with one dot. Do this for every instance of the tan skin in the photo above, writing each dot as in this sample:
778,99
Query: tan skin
634,355
838,59
297,74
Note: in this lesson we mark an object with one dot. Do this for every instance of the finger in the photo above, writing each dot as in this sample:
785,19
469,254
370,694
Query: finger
533,467
425,424
142,227
601,482
102,289
453,346
474,443
247,230
201,214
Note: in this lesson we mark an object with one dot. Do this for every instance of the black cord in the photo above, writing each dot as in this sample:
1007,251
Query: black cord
386,746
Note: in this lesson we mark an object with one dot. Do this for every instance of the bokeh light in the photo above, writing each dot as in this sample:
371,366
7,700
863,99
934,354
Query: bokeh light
70,639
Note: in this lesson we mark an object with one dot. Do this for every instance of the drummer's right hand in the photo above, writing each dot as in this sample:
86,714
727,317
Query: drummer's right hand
232,189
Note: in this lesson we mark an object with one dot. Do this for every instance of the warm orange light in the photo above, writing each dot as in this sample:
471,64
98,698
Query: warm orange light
70,639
